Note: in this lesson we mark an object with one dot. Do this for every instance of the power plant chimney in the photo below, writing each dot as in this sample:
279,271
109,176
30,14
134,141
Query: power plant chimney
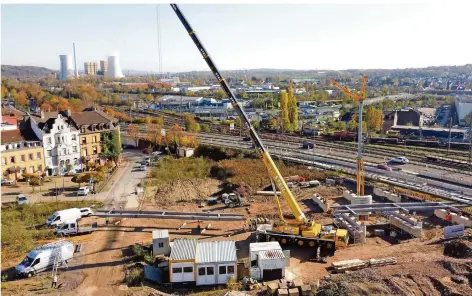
75,63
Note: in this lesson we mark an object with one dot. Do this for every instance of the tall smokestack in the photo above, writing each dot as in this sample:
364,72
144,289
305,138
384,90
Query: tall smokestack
75,63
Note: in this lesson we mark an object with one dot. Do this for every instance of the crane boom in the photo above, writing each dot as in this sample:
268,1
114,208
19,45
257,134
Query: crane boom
272,169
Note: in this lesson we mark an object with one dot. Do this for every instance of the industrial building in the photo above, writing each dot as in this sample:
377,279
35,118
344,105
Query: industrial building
66,71
114,69
90,68
457,135
463,108
202,263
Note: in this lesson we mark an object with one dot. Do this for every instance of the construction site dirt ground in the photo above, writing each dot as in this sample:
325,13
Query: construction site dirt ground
99,269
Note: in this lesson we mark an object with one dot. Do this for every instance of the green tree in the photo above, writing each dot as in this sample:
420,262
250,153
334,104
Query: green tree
258,103
111,145
205,128
191,125
244,95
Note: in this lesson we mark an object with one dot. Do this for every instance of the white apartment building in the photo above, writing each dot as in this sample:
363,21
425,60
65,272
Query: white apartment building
60,141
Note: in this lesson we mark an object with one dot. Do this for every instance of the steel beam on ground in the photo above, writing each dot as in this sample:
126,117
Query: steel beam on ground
176,217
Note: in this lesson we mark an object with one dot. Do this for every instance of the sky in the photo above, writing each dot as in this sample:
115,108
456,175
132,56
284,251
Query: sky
247,36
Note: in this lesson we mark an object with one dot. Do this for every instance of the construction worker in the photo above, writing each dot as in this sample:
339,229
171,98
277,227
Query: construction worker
54,281
107,220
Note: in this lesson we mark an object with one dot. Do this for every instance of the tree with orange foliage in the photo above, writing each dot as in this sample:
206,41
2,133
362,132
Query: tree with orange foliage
174,135
54,102
110,112
189,141
133,133
22,99
153,134
46,107
63,104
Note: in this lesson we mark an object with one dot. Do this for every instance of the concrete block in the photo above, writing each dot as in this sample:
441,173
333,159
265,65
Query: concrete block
283,285
282,292
293,292
272,287
297,283
305,290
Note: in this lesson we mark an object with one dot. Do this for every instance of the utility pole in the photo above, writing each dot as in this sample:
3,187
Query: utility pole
449,141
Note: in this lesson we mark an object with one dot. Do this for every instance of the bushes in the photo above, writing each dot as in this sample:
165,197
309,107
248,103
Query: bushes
169,169
134,276
16,239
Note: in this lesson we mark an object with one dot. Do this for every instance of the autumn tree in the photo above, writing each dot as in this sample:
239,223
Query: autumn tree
46,107
205,128
133,133
22,99
191,125
284,111
148,120
292,108
189,141
374,118
174,136
153,134
149,98
158,120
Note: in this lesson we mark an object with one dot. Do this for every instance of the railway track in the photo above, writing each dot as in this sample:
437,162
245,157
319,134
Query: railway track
416,157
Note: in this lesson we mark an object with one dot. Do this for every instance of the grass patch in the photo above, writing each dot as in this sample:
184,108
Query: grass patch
16,239
253,173
170,169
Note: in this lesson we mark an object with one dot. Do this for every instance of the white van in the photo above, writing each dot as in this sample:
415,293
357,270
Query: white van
42,258
60,217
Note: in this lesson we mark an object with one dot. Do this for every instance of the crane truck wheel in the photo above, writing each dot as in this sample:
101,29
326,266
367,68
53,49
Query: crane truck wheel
284,241
311,244
300,243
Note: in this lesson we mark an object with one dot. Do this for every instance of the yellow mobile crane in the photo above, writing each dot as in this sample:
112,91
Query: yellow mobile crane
360,97
301,230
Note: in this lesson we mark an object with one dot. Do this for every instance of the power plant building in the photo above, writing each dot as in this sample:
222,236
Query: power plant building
66,71
90,68
114,70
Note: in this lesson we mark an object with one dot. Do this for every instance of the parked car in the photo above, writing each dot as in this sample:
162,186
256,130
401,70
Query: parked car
83,191
60,217
56,191
86,212
308,145
384,167
21,199
400,159
7,182
143,167
126,146
72,227
43,258
247,139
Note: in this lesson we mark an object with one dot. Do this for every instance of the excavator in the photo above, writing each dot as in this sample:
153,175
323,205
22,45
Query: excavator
300,230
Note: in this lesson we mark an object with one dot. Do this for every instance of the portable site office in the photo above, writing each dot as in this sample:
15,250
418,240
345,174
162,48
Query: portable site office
204,263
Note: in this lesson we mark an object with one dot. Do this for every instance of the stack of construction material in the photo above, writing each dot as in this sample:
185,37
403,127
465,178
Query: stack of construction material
354,264
358,200
387,194
453,217
407,224
321,202
356,229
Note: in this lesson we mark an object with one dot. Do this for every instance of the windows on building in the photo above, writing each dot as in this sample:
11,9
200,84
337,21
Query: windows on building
23,158
49,153
64,151
12,159
74,149
84,152
31,169
95,150
40,168
38,155
4,160
84,140
74,138
76,161
30,156
94,139
49,141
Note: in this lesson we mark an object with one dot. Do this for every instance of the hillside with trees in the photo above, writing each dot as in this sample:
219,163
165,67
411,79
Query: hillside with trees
25,71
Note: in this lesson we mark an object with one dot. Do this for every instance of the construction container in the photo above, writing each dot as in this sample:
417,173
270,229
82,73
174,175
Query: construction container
268,261
160,242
